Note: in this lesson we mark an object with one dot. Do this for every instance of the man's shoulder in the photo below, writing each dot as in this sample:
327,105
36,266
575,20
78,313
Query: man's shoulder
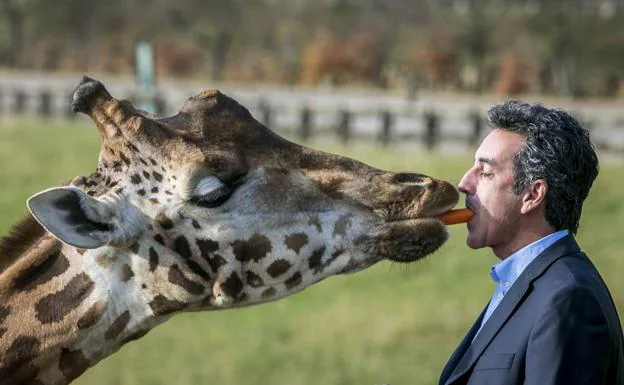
570,273
573,279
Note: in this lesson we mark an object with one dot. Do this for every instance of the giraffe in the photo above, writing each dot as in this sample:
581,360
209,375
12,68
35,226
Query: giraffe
204,210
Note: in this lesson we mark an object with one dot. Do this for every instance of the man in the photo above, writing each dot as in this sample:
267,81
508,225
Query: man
551,319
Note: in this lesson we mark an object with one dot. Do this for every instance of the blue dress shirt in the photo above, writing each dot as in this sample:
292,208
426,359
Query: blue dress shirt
505,272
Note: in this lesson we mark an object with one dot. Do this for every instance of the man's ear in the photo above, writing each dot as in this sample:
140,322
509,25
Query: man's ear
72,216
534,196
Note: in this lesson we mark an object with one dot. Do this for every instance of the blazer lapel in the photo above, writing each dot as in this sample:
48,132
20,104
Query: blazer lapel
506,308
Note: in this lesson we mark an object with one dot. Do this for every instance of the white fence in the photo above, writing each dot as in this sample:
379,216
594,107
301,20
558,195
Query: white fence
302,114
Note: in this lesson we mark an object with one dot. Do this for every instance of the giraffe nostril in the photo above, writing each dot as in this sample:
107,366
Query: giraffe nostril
409,178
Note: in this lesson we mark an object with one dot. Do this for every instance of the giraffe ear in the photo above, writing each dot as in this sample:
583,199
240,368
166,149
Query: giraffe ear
72,216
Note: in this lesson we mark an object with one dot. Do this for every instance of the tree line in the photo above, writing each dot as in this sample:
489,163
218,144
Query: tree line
558,47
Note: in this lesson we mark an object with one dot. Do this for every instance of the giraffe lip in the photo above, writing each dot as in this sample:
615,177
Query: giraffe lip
431,214
410,240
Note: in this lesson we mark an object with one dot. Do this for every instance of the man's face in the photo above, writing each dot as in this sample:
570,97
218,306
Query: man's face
488,188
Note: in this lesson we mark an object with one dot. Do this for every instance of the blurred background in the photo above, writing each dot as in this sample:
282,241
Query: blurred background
399,84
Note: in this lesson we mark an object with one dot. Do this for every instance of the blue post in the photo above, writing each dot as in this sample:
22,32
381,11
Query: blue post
145,74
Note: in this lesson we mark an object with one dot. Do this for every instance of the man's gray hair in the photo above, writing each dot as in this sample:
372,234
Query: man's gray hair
557,150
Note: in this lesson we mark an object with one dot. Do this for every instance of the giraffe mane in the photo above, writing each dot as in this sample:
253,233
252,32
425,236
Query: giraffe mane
20,238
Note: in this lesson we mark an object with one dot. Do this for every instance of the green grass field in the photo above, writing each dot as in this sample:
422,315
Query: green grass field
391,324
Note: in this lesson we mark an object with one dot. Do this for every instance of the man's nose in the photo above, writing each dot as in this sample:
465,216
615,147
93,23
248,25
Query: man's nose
466,185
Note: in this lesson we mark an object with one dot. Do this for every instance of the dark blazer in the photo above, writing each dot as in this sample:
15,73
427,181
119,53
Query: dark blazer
556,325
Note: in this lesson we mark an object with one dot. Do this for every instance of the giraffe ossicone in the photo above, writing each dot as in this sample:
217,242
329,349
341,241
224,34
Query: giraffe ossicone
206,209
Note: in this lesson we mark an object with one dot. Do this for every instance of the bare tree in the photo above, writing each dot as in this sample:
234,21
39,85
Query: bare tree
14,15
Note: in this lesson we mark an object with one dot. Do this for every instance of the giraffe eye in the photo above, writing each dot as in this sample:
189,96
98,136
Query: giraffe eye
211,192
213,199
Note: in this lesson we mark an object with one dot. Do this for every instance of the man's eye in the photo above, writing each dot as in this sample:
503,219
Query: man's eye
214,198
485,174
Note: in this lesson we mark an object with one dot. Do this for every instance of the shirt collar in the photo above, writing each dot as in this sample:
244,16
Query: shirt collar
508,270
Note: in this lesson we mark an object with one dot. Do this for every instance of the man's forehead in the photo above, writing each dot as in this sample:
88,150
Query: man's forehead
499,147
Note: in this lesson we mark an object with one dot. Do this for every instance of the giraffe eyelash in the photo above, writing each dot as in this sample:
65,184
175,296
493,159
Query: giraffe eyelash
211,192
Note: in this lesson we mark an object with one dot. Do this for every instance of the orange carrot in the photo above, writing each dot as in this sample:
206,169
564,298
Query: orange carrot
453,217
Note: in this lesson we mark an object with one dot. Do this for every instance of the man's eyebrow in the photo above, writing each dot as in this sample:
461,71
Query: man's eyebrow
490,161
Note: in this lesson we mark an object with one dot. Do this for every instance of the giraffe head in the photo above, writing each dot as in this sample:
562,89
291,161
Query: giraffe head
209,208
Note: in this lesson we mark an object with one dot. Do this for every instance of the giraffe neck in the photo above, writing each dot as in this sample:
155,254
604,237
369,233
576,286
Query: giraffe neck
62,310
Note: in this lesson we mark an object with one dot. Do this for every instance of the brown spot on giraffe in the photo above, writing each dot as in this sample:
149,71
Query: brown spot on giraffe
126,273
268,293
315,261
54,307
253,249
164,221
134,149
105,261
73,363
93,315
293,281
159,238
134,248
233,285
177,278
207,247
340,227
278,268
153,259
15,366
118,326
296,241
125,159
52,266
216,262
135,179
253,279
182,247
161,305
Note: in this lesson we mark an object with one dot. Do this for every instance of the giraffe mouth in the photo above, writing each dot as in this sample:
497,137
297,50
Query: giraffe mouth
408,238
427,214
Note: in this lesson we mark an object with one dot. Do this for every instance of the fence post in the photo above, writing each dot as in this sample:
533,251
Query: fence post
474,117
385,134
45,104
305,130
432,127
344,126
265,112
20,102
